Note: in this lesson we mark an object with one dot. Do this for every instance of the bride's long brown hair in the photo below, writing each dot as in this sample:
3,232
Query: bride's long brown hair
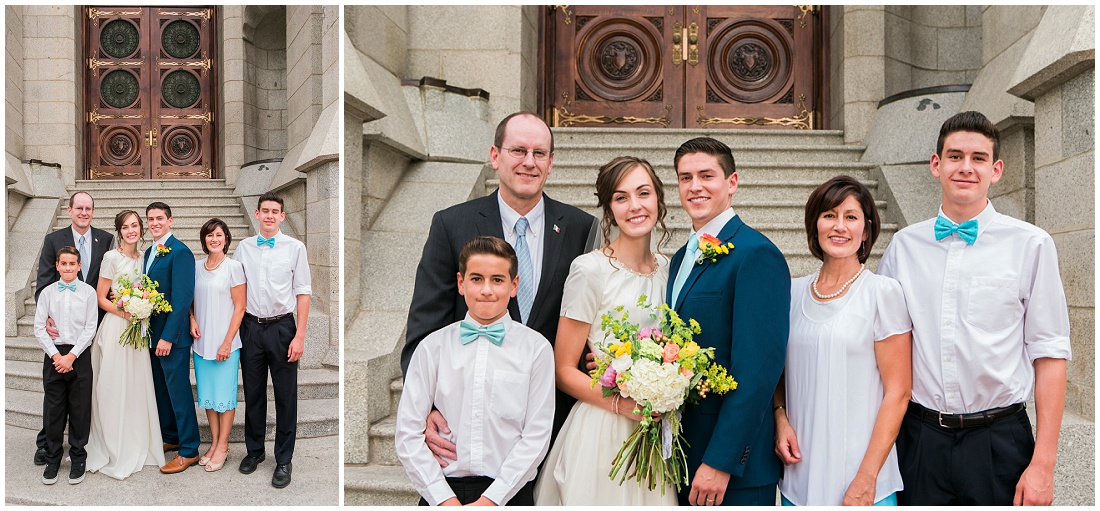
611,174
120,220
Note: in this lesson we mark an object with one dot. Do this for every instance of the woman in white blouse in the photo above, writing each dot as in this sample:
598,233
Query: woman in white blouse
848,374
217,313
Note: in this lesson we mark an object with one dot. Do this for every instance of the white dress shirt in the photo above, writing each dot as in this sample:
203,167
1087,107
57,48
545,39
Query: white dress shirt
87,246
498,401
982,313
716,224
74,312
536,233
163,240
275,275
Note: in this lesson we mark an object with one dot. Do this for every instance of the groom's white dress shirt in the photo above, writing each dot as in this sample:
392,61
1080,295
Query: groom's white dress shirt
499,402
275,275
981,313
163,240
74,312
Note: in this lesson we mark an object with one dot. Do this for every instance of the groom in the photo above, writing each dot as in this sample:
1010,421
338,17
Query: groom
170,263
742,302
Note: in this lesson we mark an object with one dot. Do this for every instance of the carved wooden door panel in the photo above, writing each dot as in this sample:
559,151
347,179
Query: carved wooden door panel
149,92
755,67
683,66
612,67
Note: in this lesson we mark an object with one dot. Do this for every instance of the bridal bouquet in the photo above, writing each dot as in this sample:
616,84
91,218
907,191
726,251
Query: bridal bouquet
141,300
661,368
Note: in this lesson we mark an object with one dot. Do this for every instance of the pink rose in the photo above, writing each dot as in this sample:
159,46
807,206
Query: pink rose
648,332
686,372
608,378
671,350
145,295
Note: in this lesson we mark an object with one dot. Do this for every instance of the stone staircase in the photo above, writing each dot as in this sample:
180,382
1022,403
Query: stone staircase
193,202
778,170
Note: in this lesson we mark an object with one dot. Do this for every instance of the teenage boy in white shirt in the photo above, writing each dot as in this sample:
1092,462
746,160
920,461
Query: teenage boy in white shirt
67,367
279,285
990,325
494,377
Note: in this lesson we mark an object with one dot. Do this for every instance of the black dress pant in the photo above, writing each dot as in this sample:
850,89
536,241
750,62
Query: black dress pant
264,349
469,489
68,399
971,466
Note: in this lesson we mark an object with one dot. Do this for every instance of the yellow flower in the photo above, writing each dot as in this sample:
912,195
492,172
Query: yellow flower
153,294
613,348
624,349
689,350
124,292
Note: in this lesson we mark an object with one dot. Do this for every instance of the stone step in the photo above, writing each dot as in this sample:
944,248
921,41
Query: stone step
754,173
382,450
375,485
151,185
395,393
26,375
603,153
672,138
105,216
316,417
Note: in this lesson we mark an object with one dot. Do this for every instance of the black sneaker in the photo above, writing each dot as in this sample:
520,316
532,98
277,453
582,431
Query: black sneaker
76,473
40,456
248,464
281,477
49,476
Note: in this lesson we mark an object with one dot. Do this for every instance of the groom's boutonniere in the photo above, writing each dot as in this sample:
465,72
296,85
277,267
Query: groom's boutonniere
711,248
162,250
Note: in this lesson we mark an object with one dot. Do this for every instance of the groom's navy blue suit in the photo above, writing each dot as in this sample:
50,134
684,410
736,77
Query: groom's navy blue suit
742,302
175,273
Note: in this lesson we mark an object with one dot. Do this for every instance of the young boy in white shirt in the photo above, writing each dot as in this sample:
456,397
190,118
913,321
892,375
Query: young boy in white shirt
494,378
990,326
67,367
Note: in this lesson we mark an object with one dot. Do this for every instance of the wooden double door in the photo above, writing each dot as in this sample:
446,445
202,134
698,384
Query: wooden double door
149,92
684,66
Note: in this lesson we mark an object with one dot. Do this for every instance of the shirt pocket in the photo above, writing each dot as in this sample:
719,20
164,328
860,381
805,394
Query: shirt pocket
279,272
509,397
993,304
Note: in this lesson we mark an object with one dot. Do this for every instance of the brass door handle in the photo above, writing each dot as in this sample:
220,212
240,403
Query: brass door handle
151,138
693,44
678,53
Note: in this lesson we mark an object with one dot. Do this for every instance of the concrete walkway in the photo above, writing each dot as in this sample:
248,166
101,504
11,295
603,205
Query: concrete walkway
316,480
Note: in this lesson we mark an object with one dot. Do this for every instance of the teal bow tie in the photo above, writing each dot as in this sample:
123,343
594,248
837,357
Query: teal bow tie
261,241
968,230
63,286
470,331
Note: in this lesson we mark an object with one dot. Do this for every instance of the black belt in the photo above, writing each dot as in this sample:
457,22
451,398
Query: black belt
264,321
963,420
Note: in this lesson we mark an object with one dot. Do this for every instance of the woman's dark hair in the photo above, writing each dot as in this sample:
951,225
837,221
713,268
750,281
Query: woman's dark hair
608,180
120,220
828,196
208,228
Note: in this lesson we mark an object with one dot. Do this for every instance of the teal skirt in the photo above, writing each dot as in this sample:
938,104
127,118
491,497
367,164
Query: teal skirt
889,500
216,382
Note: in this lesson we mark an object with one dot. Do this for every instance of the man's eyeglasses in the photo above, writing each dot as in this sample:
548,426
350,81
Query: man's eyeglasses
520,153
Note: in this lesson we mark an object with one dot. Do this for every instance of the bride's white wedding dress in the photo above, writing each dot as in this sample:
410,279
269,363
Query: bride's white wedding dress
125,433
576,470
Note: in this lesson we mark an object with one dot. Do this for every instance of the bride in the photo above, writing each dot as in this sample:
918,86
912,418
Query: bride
576,470
125,433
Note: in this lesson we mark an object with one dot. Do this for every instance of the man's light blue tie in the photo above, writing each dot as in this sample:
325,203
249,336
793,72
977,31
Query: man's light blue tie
63,286
526,294
685,268
84,260
469,331
967,230
151,255
261,241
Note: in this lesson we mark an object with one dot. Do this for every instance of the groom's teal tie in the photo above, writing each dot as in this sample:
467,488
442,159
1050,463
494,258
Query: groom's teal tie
685,268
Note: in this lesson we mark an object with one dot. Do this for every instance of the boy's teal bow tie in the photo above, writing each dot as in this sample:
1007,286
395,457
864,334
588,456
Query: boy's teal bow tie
967,230
470,331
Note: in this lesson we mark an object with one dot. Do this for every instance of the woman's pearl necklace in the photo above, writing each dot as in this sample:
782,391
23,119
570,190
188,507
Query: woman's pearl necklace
819,296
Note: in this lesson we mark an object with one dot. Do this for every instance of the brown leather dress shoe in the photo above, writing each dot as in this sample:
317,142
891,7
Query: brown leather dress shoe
171,447
178,464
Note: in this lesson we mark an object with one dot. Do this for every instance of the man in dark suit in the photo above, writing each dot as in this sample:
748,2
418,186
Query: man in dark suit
742,303
170,263
551,234
92,243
